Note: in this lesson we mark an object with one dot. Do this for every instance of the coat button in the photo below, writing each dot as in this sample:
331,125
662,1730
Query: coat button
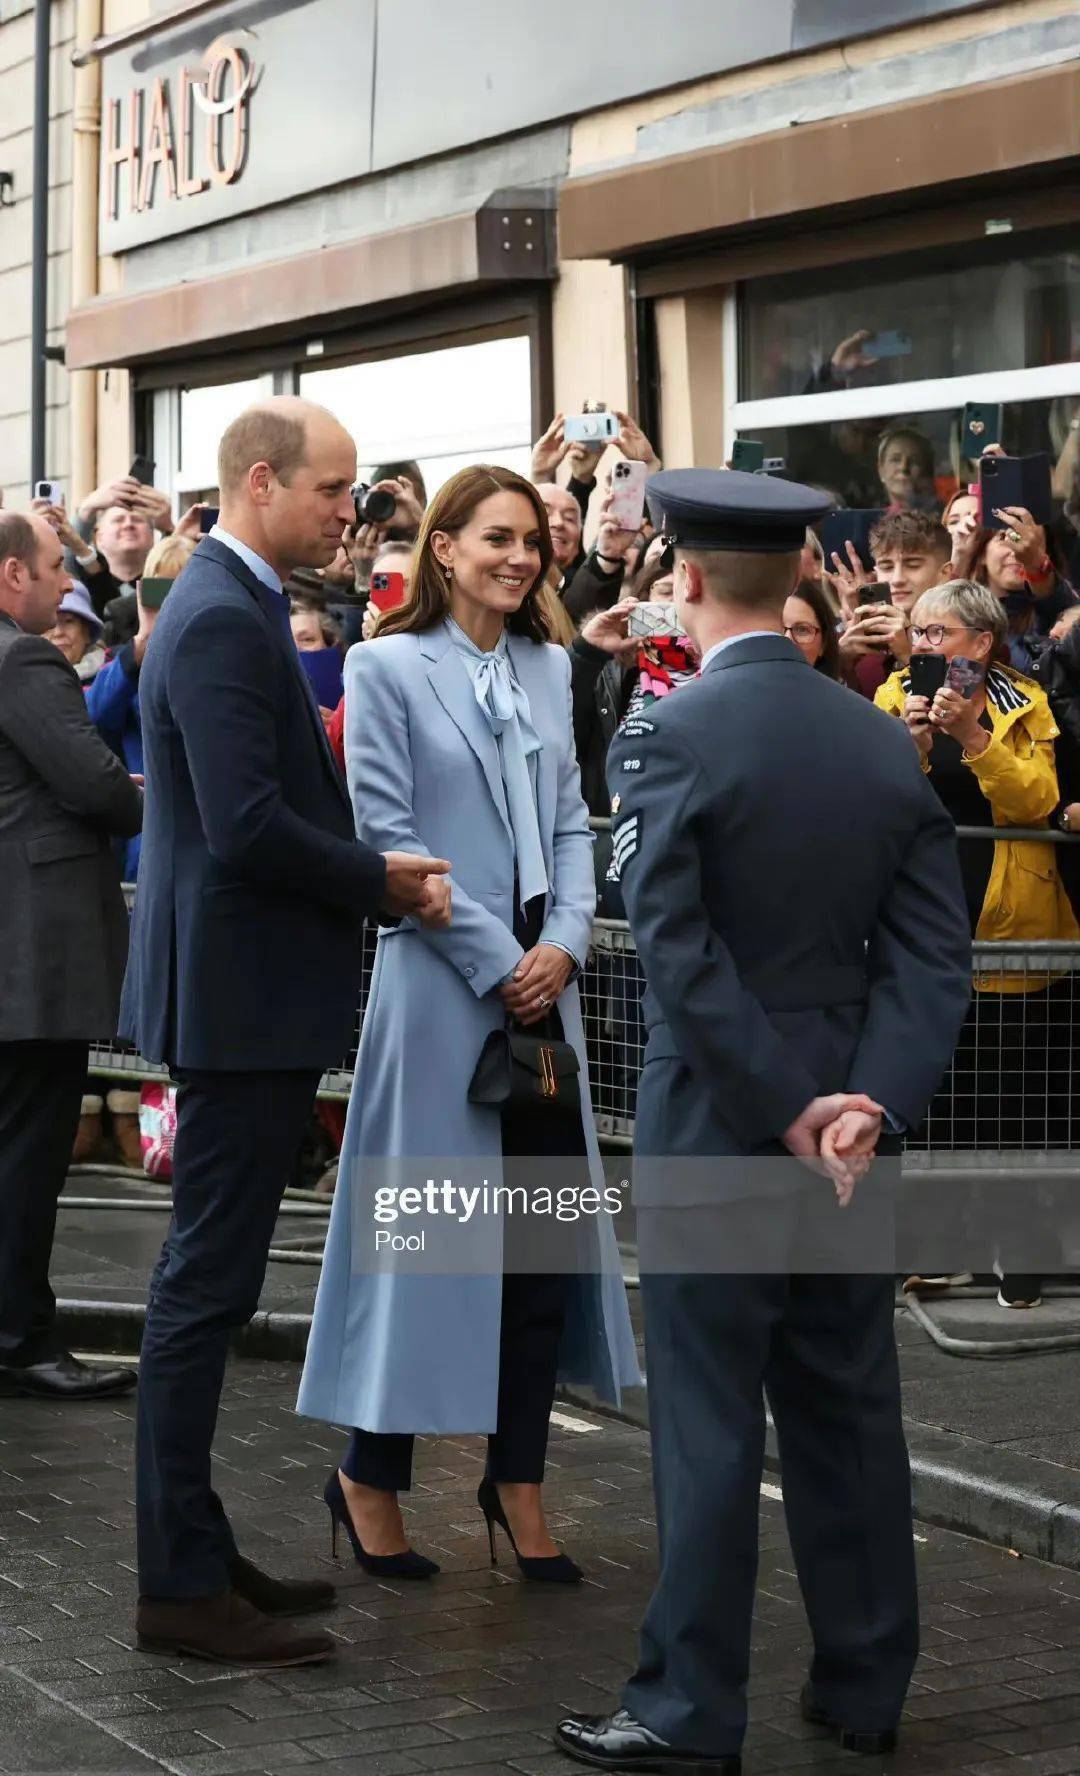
603,712
469,972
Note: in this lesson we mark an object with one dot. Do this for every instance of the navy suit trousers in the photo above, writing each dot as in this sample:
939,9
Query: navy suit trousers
821,1349
237,1137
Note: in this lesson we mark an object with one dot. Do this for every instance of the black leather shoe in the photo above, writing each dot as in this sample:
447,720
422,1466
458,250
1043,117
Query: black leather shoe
619,1742
279,1597
65,1378
872,1741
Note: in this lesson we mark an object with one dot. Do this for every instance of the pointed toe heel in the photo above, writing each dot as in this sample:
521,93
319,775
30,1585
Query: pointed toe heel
409,1565
550,1569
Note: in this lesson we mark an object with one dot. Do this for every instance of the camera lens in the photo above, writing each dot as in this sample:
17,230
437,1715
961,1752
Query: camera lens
373,504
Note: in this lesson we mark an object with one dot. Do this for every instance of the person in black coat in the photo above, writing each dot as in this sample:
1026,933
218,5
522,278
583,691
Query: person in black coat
63,938
244,976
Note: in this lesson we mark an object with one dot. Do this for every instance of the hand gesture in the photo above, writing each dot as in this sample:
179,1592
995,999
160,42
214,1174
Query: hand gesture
849,354
917,721
850,1142
634,444
536,983
121,492
607,629
190,524
950,713
848,578
965,547
876,629
803,1138
363,545
370,621
154,506
58,518
549,451
407,890
1027,539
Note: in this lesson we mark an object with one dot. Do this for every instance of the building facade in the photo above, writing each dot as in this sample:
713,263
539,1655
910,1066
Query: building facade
809,224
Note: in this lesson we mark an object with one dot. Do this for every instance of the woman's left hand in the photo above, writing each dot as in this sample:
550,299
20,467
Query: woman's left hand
536,983
953,714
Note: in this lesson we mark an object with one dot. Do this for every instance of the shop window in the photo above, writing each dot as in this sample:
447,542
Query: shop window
204,415
808,335
443,409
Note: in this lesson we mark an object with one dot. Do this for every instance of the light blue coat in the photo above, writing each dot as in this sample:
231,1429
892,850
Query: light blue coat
390,1350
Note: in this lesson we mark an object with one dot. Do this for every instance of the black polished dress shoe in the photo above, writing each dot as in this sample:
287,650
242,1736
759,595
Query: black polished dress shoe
873,1741
619,1742
279,1597
65,1378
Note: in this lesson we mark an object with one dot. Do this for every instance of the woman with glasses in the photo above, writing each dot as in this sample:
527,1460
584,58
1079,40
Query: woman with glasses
986,740
810,622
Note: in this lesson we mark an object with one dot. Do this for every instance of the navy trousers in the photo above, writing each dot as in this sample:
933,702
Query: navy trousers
822,1349
237,1137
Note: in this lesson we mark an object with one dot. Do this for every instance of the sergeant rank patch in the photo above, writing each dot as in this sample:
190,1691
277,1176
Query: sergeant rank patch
625,843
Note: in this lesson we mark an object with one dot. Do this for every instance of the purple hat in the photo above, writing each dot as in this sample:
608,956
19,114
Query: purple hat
76,603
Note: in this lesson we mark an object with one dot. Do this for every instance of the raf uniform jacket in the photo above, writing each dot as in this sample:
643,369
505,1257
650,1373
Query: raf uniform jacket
63,796
793,887
245,944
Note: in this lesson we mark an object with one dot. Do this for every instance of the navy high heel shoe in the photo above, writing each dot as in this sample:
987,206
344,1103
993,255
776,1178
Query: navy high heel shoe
409,1565
552,1569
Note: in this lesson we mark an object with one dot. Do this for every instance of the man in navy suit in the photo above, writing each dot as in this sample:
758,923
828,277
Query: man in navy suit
243,975
794,891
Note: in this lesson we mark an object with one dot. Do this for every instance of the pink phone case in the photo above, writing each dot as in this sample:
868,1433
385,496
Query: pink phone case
627,507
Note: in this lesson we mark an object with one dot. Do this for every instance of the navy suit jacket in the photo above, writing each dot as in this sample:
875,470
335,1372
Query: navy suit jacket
252,888
794,890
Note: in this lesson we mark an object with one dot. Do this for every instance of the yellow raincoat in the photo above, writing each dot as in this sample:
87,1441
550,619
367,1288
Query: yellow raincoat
1018,776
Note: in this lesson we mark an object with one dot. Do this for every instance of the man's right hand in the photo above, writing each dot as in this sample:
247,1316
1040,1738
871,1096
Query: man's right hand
548,452
414,890
851,1142
805,1137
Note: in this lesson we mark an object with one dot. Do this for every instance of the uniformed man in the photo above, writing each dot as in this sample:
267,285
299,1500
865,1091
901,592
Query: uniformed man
793,888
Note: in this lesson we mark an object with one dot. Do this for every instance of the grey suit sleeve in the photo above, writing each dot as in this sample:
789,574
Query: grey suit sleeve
758,1083
919,968
43,713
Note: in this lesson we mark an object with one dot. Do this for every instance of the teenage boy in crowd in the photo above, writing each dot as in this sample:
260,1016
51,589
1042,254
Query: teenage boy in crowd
911,552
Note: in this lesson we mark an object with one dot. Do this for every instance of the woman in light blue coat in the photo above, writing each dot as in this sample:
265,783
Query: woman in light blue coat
459,742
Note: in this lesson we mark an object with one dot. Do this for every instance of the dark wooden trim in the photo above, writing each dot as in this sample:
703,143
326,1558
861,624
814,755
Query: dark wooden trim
917,230
358,285
974,136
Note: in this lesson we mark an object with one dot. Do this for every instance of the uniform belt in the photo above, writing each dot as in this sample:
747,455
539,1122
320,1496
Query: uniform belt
807,989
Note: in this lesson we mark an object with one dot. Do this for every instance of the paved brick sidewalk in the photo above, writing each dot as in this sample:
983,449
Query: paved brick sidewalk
466,1674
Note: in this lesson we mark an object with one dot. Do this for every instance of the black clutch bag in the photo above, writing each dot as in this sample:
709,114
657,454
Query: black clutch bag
520,1067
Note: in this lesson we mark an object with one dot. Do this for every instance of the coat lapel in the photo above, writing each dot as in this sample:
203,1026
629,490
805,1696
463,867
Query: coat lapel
265,597
452,685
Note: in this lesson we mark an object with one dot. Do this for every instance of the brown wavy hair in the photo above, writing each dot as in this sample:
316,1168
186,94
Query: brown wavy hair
450,511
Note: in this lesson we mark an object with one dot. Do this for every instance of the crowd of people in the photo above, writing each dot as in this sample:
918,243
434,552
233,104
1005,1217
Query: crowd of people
341,705
927,577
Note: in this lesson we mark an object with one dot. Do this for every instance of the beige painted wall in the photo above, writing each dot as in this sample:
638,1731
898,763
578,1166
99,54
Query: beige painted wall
16,156
589,316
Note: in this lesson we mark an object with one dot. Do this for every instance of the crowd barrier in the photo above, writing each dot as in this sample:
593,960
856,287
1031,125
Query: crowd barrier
1010,1090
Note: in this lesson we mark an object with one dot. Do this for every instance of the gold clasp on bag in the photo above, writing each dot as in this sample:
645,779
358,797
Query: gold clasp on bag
549,1079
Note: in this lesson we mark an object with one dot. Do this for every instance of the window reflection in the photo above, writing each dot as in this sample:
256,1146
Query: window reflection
1018,308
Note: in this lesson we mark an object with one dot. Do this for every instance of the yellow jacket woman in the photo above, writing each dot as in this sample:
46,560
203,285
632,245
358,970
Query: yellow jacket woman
991,758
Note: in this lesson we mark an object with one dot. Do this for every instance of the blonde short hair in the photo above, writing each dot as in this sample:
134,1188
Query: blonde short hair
975,606
169,557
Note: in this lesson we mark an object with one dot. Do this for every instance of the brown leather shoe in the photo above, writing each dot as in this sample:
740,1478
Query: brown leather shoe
279,1597
226,1629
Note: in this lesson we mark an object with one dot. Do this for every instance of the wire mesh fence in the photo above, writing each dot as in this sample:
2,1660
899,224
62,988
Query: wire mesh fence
1009,1092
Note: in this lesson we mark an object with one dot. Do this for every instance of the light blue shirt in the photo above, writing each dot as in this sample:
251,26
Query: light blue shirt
730,640
260,568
